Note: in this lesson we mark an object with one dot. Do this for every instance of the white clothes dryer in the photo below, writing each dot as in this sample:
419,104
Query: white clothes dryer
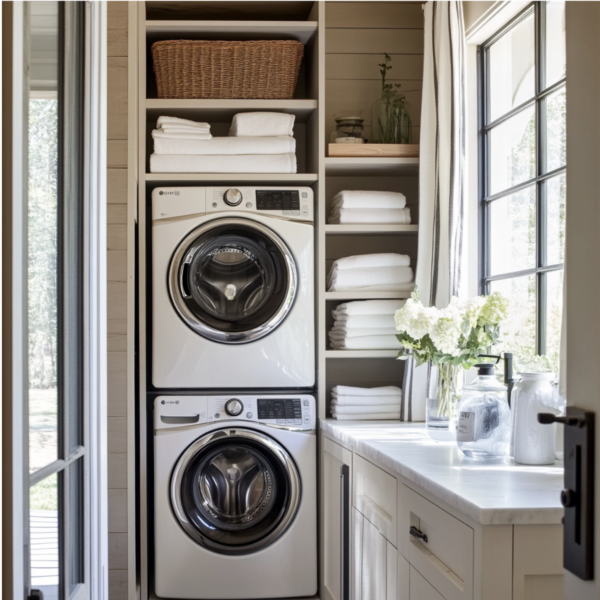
235,496
233,288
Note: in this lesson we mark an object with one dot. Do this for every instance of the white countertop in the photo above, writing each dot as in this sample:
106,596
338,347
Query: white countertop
491,492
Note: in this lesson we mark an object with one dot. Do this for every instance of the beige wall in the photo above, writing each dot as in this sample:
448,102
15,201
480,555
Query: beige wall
473,11
117,300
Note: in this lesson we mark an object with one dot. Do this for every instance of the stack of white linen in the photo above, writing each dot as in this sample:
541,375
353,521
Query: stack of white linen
387,272
257,143
365,325
359,206
361,404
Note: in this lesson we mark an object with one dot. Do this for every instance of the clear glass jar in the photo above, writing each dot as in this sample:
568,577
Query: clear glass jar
390,120
442,401
484,421
533,443
348,130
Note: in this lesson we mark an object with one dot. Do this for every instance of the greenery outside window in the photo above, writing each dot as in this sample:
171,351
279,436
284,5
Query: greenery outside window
522,179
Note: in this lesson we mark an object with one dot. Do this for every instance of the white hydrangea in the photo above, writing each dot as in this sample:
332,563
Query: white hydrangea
415,320
446,332
495,309
472,309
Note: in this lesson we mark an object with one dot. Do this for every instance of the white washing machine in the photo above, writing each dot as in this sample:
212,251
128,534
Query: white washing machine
235,496
233,287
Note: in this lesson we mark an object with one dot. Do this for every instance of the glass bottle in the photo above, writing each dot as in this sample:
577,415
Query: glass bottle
390,120
484,422
442,401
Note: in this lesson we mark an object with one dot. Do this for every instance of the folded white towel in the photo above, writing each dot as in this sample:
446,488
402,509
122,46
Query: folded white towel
342,216
183,130
391,416
350,390
368,199
367,307
235,163
384,259
177,122
371,408
225,145
340,333
369,342
364,321
262,124
365,403
187,135
374,278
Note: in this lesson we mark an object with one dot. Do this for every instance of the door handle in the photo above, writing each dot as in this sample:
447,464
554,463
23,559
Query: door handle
418,534
577,497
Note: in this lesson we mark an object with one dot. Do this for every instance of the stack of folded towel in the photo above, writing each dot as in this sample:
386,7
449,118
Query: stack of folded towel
387,272
257,143
357,206
360,404
365,325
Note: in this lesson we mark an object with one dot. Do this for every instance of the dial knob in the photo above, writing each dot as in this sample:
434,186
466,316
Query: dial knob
233,197
234,407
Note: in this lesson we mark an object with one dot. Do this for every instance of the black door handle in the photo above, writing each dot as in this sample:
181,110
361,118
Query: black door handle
416,533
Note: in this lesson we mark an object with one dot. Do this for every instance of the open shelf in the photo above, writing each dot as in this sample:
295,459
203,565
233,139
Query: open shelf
226,178
302,31
361,353
369,229
369,167
367,295
220,110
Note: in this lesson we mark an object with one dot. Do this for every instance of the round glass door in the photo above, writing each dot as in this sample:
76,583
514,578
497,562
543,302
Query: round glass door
235,491
233,280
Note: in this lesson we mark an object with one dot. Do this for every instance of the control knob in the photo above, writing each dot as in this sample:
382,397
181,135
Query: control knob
234,407
233,197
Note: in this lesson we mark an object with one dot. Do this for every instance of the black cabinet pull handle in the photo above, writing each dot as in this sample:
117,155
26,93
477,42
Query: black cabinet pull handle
417,534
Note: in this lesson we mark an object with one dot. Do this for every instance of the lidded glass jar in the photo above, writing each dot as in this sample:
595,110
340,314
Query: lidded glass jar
484,423
348,130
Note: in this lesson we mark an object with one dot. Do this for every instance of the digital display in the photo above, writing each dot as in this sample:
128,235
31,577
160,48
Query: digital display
277,200
275,408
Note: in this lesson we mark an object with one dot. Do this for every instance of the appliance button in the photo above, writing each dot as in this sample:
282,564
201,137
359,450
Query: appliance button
249,415
234,407
280,421
305,194
305,402
307,418
214,205
233,197
248,204
297,421
287,212
289,421
217,415
295,213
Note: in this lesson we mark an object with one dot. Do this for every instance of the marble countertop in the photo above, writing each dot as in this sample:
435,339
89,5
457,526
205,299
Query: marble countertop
491,492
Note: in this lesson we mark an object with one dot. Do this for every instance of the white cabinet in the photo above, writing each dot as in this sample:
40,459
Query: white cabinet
420,589
375,562
336,463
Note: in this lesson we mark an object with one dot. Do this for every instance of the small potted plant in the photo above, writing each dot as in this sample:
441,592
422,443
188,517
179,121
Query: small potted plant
390,119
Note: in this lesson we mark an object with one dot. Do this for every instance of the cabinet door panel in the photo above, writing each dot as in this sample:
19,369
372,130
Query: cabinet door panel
357,554
391,592
370,560
403,578
420,589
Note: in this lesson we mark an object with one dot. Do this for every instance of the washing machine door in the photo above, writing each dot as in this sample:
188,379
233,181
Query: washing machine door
233,280
235,491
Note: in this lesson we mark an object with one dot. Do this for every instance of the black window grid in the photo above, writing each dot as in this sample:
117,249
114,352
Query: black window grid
538,101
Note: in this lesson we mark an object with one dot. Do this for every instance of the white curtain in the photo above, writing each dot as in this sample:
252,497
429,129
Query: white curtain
442,237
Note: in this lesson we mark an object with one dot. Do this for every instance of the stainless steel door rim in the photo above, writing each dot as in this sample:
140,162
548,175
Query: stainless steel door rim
183,256
291,488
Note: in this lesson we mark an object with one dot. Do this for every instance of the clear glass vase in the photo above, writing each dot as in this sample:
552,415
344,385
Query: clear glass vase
442,401
390,121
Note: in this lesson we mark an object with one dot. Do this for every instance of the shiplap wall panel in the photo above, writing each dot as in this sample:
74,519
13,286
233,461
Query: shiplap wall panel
374,14
358,35
116,256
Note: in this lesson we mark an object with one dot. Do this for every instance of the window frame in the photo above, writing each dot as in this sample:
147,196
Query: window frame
541,270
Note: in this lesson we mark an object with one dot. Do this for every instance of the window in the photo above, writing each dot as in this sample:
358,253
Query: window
522,182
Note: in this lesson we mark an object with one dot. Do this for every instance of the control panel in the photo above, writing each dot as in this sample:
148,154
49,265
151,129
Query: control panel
294,203
296,411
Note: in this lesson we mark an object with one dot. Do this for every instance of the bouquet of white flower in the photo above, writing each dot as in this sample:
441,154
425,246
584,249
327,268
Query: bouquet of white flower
456,334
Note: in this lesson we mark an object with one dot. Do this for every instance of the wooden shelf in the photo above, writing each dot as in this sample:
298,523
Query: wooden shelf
369,229
226,178
361,353
302,31
370,167
367,295
223,110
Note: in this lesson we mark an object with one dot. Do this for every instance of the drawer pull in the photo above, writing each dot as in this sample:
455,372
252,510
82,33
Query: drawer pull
417,534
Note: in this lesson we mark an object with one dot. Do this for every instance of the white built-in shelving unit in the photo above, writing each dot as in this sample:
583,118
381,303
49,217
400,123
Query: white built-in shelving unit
343,44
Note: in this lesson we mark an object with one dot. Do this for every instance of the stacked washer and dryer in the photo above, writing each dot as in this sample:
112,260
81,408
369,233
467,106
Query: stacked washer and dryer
235,469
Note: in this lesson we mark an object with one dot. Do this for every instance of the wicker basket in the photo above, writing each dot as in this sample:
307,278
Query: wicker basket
205,69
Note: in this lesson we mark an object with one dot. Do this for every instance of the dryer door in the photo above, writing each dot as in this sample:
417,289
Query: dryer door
233,280
235,491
